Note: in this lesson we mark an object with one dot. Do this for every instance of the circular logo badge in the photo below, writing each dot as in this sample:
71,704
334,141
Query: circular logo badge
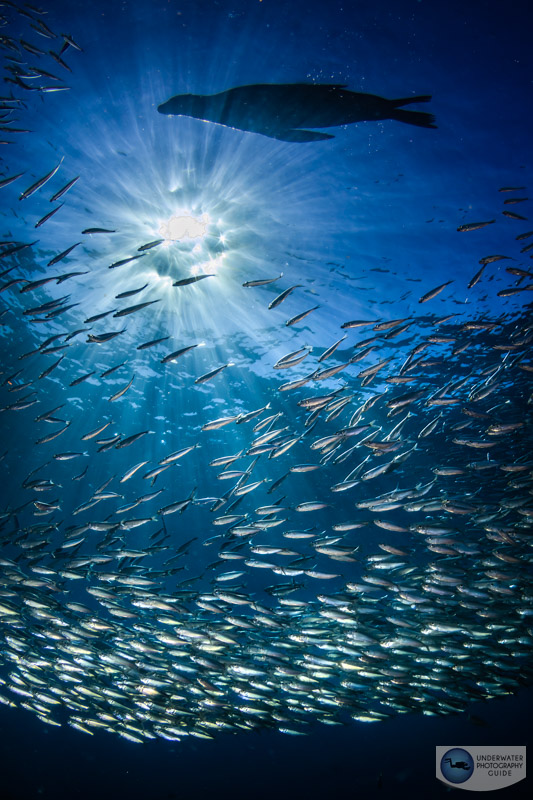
457,765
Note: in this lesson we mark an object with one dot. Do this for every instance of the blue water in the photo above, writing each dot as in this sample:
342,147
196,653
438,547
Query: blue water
365,222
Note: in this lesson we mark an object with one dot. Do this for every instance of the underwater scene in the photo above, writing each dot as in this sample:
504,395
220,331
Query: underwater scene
266,395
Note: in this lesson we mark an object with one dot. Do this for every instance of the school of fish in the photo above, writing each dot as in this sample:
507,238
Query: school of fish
346,539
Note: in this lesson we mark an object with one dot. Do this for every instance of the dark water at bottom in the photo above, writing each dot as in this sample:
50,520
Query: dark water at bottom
394,759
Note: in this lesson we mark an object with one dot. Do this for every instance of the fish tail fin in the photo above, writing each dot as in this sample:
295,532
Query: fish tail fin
404,101
419,118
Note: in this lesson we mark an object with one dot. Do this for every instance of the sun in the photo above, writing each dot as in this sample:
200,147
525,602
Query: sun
184,226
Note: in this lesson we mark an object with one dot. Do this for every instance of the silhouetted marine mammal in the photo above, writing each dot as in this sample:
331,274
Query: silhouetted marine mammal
284,111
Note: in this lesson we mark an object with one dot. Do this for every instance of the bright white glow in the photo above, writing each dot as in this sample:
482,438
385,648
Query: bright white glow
184,226
209,267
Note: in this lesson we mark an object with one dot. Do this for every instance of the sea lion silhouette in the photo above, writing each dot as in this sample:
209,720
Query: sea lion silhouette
284,111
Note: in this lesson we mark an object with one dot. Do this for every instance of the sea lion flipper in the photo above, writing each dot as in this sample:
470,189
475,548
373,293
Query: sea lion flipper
420,118
405,101
297,135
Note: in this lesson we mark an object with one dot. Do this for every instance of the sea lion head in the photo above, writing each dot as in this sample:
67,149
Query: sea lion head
189,105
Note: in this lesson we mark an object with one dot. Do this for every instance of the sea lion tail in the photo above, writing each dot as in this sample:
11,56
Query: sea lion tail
420,118
404,101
